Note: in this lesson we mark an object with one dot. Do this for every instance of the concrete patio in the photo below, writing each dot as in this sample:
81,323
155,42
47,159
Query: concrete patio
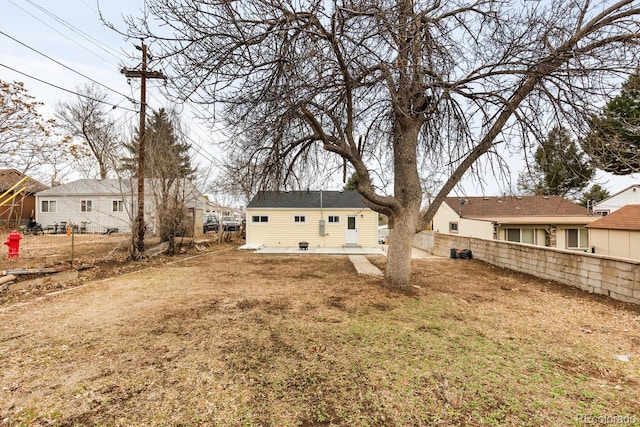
346,250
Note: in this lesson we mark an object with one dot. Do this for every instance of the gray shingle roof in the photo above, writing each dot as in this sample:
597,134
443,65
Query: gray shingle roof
85,187
307,199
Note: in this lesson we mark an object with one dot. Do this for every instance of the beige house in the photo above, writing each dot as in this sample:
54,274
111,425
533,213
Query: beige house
617,234
538,220
320,218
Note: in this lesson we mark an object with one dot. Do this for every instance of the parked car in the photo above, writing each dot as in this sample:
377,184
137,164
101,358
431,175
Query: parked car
229,223
211,223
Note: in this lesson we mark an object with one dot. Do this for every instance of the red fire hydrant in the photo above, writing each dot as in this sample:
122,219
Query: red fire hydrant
13,242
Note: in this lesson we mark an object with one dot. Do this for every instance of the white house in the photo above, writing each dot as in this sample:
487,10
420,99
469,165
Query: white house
628,196
538,220
320,218
222,211
93,205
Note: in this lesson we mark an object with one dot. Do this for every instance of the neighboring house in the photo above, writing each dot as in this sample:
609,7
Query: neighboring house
98,205
321,218
538,220
220,211
617,234
628,196
19,203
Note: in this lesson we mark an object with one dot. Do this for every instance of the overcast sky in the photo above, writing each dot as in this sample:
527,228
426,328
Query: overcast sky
81,49
54,47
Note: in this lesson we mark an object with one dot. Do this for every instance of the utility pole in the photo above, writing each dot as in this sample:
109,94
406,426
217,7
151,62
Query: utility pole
143,74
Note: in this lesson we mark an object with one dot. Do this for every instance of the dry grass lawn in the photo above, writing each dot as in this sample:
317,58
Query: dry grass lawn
231,338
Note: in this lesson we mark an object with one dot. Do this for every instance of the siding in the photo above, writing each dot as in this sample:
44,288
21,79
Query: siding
100,218
617,243
630,196
281,230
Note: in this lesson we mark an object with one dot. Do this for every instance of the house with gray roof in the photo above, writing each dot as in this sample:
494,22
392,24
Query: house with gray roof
94,205
320,218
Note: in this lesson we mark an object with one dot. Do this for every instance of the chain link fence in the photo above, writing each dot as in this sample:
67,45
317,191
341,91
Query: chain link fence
62,246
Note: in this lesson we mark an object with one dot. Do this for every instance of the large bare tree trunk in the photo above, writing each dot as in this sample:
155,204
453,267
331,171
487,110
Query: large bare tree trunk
408,192
398,273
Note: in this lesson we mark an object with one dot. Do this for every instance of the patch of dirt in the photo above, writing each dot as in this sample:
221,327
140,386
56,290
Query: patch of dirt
92,261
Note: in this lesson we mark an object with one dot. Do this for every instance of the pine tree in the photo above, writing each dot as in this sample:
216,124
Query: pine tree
613,141
560,167
167,167
595,194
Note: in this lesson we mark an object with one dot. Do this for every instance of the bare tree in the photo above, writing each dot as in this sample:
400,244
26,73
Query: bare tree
87,118
445,83
25,135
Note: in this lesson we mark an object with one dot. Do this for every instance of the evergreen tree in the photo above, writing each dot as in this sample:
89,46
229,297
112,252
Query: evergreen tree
168,167
613,141
166,155
595,194
560,167
352,182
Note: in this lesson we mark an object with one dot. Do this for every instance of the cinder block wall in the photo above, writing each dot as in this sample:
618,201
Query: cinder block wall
617,278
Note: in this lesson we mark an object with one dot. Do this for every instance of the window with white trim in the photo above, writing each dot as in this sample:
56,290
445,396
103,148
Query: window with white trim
86,205
259,218
333,219
577,238
299,219
48,206
513,234
521,235
118,206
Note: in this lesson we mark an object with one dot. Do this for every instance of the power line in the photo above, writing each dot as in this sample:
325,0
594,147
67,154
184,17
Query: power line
197,147
64,89
62,34
98,43
65,66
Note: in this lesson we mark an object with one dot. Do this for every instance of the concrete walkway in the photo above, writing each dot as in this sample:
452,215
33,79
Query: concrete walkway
363,266
356,255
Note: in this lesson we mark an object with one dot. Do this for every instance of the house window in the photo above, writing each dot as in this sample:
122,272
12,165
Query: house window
513,234
577,238
299,219
334,219
258,218
48,206
118,206
85,205
528,235
453,227
521,235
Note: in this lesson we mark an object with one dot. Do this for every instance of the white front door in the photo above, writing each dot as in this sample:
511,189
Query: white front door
351,234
